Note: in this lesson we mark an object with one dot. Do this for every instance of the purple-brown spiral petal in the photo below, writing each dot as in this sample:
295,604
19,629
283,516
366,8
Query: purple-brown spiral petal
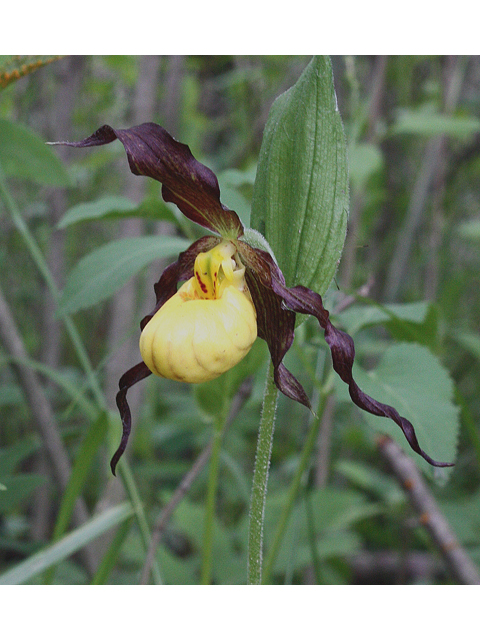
276,325
303,300
131,377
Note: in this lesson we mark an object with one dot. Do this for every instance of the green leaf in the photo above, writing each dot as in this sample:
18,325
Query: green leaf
408,322
101,273
231,182
364,160
469,341
360,316
10,394
84,458
335,511
114,208
464,517
211,396
11,456
68,545
61,379
426,122
96,209
24,155
469,230
414,381
300,198
371,480
109,559
18,488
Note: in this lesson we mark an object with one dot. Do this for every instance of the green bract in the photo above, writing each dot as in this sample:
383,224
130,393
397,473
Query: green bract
300,199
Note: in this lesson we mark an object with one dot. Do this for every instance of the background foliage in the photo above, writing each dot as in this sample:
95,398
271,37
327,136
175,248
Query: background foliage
82,242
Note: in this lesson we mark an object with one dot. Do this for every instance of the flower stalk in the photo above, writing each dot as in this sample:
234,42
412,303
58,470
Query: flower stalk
260,480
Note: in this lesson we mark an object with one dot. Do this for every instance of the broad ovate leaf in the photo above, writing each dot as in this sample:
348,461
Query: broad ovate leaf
410,377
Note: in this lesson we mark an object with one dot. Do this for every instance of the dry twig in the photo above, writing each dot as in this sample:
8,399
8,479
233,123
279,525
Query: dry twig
430,516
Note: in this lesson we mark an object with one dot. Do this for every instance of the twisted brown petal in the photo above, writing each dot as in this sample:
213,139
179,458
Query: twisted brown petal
131,377
275,323
303,300
276,326
193,187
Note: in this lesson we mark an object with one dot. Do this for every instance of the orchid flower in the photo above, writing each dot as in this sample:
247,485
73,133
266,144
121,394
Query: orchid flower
233,290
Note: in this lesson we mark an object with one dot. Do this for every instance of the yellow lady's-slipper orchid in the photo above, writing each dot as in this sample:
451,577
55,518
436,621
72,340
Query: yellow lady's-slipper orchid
208,326
233,290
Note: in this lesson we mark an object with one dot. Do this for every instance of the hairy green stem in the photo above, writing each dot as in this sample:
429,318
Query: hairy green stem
260,480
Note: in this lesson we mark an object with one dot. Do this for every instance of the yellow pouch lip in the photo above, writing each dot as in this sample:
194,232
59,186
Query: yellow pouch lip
195,340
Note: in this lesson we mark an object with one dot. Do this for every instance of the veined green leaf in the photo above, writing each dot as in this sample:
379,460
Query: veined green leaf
300,199
101,273
24,155
412,379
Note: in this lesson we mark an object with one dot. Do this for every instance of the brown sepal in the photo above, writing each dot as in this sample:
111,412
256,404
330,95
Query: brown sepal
275,323
193,187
